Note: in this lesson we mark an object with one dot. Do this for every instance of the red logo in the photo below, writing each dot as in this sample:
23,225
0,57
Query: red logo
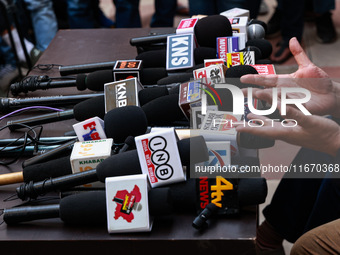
125,203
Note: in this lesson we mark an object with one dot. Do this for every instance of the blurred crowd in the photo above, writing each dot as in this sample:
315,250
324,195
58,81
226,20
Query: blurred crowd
36,22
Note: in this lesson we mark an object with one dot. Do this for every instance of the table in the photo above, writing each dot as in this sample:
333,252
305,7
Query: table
170,235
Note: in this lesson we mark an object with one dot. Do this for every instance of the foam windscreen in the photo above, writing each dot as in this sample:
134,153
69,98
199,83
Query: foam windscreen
153,58
209,28
126,163
53,168
119,123
149,94
90,108
202,53
265,46
88,208
150,76
163,110
95,81
81,81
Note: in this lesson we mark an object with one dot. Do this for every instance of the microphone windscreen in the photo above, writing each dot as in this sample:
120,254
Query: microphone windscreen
150,76
176,78
202,53
252,191
126,163
257,51
153,58
251,141
209,28
50,169
184,197
239,71
81,81
90,108
119,123
160,202
95,81
193,150
234,73
86,208
163,110
265,46
149,94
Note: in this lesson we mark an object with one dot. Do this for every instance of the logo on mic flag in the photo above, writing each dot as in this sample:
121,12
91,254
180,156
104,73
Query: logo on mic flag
126,201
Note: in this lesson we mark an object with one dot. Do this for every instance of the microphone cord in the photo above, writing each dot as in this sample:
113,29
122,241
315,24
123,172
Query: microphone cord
30,137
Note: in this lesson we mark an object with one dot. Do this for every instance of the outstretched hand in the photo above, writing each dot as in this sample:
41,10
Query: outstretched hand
313,132
323,89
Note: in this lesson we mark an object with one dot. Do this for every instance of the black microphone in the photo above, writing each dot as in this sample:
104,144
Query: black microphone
163,110
13,103
200,221
86,68
81,111
265,46
121,164
86,208
209,28
149,40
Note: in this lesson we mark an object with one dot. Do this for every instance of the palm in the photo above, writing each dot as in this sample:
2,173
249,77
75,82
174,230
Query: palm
308,76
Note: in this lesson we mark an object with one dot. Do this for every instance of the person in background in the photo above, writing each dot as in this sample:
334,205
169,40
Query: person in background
288,19
211,7
299,203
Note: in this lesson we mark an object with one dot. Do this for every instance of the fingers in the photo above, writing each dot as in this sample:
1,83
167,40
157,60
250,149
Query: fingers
298,53
260,80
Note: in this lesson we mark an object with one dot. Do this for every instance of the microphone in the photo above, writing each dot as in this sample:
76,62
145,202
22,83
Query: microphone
122,164
132,123
86,68
200,221
163,110
87,208
81,111
209,28
94,81
202,53
153,58
255,31
39,171
265,46
12,103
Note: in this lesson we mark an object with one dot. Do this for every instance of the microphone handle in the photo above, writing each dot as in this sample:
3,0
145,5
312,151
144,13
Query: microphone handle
28,213
19,87
41,119
85,68
33,190
15,142
147,40
48,155
10,103
29,150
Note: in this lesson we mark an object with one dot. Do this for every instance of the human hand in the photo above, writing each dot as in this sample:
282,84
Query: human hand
313,132
323,89
108,9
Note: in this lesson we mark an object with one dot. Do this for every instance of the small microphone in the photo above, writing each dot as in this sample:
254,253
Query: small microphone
86,68
13,103
200,221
